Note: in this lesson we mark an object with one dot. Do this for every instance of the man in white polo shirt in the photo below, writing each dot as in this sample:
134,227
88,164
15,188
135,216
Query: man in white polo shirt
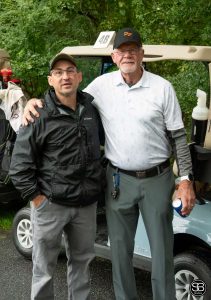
143,124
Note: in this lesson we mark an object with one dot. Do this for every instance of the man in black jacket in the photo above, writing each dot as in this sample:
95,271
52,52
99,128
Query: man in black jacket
56,165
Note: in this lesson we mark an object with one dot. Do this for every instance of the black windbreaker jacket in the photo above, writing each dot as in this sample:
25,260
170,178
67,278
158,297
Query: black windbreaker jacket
59,154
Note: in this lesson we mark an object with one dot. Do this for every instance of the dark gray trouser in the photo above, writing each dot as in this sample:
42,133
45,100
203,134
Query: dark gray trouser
49,221
151,196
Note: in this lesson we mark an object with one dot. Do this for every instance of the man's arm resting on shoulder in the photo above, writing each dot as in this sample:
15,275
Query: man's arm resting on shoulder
183,158
30,111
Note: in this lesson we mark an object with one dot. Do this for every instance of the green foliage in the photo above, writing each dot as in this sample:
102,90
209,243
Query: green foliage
90,68
173,21
6,219
35,30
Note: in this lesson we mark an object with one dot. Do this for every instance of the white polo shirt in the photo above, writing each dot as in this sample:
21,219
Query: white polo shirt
135,118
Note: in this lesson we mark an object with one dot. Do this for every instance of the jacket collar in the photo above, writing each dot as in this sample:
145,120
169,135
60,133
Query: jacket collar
52,102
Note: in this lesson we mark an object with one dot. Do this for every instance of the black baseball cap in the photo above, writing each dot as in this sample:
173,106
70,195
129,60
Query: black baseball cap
127,35
62,56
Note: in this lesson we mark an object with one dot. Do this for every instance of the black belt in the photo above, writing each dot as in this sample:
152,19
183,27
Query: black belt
154,171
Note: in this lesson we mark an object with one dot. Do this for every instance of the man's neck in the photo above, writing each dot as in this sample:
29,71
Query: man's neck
132,78
69,101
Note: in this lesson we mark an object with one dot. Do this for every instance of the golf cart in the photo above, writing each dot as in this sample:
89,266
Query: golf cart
192,235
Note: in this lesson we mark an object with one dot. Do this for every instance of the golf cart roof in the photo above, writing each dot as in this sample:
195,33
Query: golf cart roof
151,52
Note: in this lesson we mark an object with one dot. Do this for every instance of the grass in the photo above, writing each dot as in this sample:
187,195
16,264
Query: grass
6,218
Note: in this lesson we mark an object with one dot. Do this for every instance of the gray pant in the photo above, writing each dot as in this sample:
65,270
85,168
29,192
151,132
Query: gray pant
49,221
151,196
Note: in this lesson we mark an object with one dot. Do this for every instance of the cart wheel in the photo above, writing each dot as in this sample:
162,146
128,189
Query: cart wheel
191,266
22,232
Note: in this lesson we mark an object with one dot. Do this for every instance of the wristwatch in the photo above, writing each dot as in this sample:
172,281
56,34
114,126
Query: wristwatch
188,177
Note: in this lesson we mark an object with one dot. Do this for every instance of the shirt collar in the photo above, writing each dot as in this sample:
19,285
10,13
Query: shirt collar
143,82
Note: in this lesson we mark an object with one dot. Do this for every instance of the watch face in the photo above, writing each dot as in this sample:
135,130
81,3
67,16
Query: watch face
187,177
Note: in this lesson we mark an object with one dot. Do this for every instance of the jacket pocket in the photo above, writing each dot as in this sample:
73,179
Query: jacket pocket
66,182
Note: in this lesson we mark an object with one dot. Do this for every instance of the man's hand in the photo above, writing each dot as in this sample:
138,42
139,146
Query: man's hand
30,110
37,201
187,195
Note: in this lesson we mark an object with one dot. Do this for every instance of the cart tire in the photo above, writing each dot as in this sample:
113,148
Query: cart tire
191,266
22,232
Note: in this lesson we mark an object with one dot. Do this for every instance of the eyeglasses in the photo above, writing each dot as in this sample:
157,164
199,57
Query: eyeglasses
59,72
132,51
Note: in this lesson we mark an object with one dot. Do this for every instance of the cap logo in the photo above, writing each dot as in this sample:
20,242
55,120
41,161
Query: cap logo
126,33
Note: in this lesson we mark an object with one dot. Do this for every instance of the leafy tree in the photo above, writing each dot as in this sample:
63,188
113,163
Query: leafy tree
34,30
173,21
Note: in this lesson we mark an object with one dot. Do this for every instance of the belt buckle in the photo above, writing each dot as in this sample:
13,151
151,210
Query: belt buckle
141,174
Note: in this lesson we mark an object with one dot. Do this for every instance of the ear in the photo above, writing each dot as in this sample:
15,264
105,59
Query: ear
142,52
113,57
50,80
80,77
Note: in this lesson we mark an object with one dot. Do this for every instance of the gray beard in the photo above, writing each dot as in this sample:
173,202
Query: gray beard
128,70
